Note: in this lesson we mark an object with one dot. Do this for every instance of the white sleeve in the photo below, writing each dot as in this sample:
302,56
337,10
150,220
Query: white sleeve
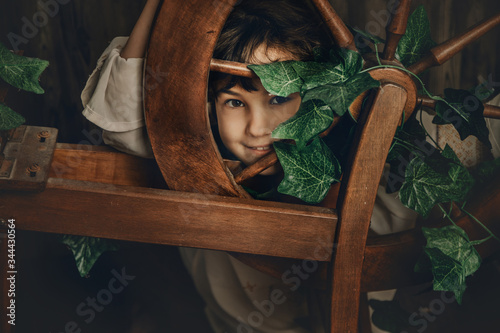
113,100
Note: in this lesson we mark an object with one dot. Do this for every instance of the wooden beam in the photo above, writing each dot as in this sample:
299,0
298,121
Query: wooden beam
172,218
231,67
102,165
357,198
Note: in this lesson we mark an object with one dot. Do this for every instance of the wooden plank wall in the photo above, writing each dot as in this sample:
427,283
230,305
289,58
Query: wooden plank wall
79,31
72,40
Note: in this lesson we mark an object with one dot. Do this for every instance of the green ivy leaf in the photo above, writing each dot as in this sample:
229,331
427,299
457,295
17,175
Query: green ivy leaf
9,118
416,42
452,257
466,114
312,118
278,78
21,72
412,133
315,74
87,250
424,187
408,142
308,172
340,96
346,63
389,315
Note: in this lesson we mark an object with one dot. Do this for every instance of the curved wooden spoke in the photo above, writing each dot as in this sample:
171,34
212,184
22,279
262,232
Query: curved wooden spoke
396,28
231,67
358,192
340,32
444,51
490,111
256,168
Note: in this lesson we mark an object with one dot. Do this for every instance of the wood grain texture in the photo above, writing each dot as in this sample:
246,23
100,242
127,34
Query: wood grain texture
231,67
341,34
389,259
177,121
444,51
29,158
396,28
357,197
490,111
101,165
173,218
75,37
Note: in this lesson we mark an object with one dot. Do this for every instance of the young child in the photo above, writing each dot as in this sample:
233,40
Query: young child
256,32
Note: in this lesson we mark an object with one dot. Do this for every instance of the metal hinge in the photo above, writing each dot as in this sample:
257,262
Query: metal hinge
25,158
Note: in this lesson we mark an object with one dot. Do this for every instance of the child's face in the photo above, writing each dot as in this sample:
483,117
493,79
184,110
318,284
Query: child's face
247,118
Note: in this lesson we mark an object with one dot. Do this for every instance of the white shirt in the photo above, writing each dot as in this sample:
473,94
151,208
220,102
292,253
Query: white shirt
239,298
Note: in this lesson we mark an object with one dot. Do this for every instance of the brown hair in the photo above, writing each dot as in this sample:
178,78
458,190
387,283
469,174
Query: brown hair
291,25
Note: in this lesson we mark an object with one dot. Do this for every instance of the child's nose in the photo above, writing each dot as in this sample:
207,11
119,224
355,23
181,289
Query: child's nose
259,123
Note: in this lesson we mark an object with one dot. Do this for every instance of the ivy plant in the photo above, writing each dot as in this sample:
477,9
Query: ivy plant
87,250
22,73
327,86
416,41
427,175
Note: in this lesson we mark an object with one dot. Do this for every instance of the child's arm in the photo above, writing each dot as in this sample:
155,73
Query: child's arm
136,45
112,97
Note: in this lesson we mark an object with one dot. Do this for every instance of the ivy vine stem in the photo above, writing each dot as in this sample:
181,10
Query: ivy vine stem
434,97
491,234
410,147
481,224
447,215
480,241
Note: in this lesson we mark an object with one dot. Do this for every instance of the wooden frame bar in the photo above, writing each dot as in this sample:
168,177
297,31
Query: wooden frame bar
490,111
396,28
231,67
357,198
339,30
172,218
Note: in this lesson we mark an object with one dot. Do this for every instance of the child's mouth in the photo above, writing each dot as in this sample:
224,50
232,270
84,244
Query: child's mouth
260,150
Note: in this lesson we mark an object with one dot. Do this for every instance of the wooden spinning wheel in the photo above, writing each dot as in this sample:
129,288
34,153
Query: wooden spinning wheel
184,147
177,122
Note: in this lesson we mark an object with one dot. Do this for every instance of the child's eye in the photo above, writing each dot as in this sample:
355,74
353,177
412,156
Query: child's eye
279,100
234,103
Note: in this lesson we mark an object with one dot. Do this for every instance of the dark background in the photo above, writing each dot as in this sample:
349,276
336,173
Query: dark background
72,40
